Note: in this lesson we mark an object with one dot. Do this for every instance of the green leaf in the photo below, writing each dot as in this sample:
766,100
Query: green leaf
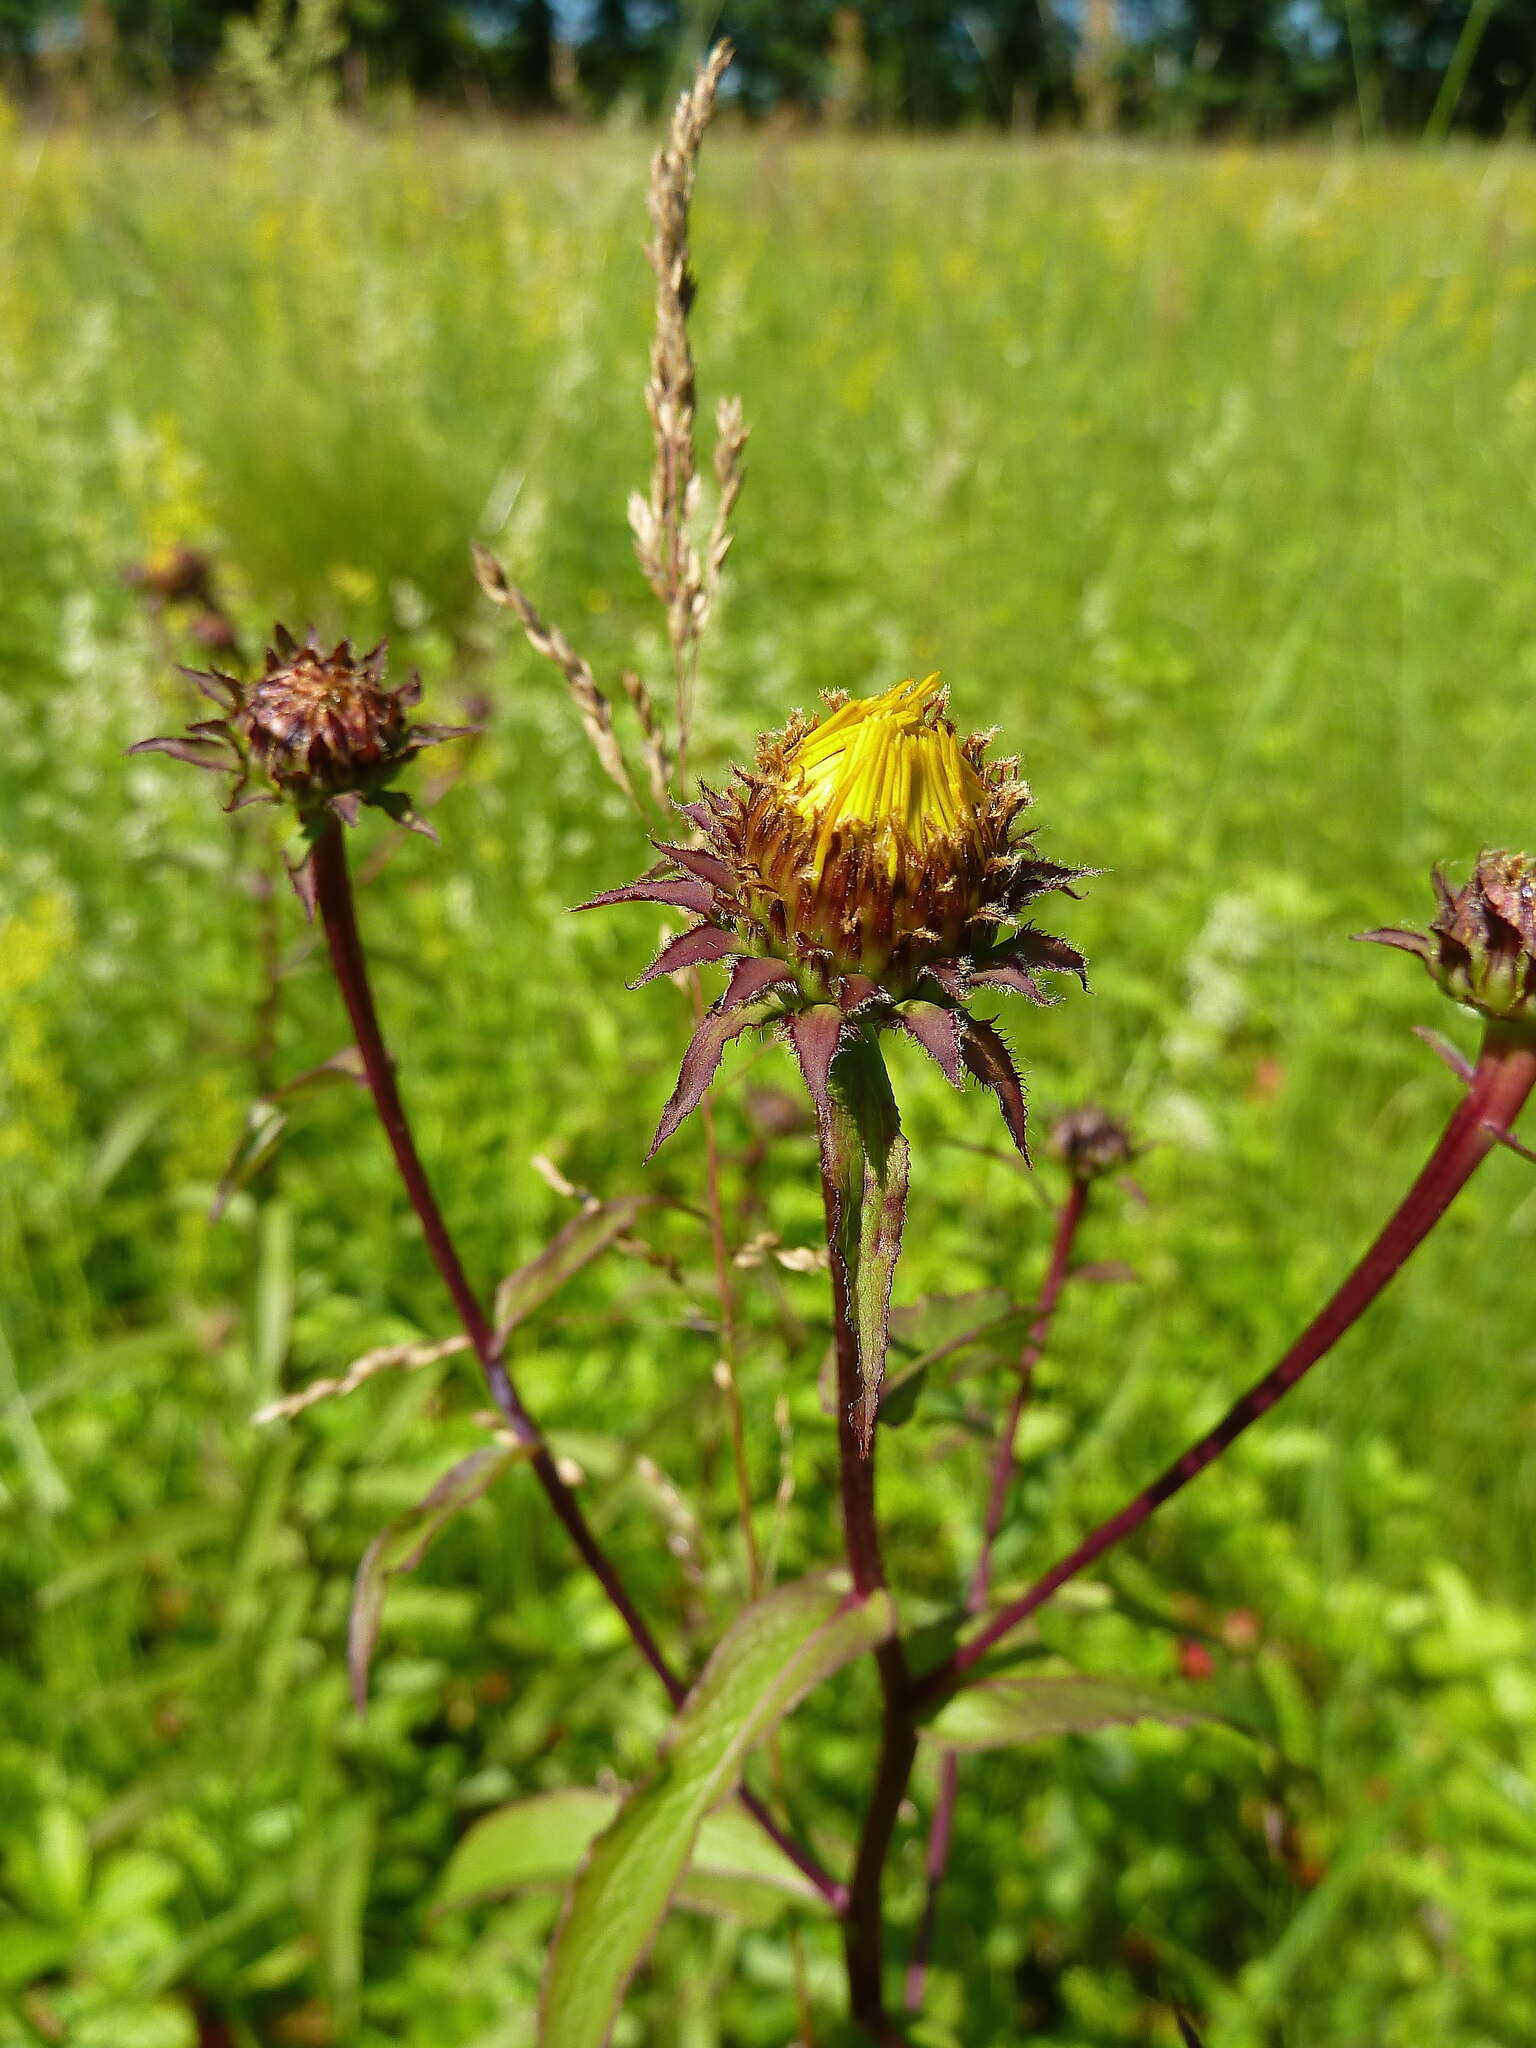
582,1240
535,1841
866,1158
267,1123
998,1713
772,1656
402,1544
735,1869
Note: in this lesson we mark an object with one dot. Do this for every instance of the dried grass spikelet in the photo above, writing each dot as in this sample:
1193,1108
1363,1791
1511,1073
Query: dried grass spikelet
685,580
592,707
870,870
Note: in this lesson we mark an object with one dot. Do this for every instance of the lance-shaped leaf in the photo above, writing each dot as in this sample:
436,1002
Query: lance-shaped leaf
403,1543
705,1051
772,1656
866,1157
576,1245
679,892
1000,1713
735,1869
986,1054
699,947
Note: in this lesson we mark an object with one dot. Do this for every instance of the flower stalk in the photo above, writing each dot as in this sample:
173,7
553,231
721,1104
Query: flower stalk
859,1108
1068,1221
1501,1082
337,910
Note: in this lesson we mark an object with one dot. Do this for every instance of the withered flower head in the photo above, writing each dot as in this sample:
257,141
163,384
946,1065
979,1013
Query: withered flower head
870,870
322,731
1090,1142
1481,948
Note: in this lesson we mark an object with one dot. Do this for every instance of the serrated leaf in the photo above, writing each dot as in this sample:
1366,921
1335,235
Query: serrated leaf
734,1869
577,1245
403,1543
1000,1713
772,1656
865,1159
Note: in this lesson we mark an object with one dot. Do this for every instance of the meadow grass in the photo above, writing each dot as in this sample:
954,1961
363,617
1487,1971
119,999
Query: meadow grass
1208,480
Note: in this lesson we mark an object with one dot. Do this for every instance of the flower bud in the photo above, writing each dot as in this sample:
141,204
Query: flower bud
869,870
1090,1142
320,730
1481,948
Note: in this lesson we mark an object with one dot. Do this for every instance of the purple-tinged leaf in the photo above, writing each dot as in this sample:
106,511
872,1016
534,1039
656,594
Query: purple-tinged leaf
989,1059
706,866
1406,942
348,806
217,687
1043,949
403,1543
681,892
1108,1272
700,947
1039,876
577,1244
1008,974
951,976
938,1031
188,747
750,979
302,876
815,1035
429,734
1510,1142
701,1061
1443,1049
856,992
397,806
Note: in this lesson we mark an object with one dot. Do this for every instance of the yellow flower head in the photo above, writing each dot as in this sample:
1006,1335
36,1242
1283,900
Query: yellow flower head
869,870
890,766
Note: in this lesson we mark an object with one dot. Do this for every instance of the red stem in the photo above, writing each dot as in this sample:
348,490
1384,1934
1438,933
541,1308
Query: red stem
338,914
1069,1217
1502,1080
1067,1223
864,1927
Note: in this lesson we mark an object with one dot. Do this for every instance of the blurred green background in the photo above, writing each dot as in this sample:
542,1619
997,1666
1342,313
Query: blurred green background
1208,480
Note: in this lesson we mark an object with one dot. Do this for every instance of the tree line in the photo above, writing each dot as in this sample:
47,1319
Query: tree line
1175,67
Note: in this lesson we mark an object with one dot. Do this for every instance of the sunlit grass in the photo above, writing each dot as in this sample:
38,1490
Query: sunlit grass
1209,481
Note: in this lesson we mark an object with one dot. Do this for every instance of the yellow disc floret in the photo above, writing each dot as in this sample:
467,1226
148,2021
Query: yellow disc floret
890,766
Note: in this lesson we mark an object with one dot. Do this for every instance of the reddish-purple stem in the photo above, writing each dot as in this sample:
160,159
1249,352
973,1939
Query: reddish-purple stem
863,1925
1002,1473
1068,1218
1501,1082
338,915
